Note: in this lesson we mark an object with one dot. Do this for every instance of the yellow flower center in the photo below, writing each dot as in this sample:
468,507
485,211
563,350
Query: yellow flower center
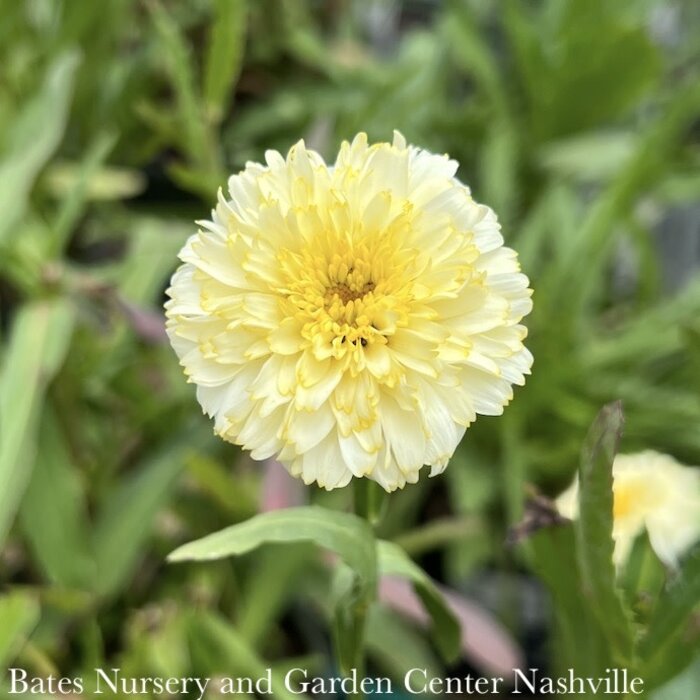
623,502
632,497
346,294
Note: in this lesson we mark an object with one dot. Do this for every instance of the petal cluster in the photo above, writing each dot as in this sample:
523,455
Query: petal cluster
652,492
350,319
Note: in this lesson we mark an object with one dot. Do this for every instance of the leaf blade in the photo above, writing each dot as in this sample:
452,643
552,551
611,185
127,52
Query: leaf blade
53,513
126,522
36,135
224,55
38,343
594,527
673,612
345,534
19,613
393,561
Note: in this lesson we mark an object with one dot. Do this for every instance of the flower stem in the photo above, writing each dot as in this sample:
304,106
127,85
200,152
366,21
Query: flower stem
368,499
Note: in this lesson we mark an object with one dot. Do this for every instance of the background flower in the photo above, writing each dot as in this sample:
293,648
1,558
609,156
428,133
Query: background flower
350,320
652,491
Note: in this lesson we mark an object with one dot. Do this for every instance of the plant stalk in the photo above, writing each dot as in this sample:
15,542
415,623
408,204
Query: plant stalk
368,499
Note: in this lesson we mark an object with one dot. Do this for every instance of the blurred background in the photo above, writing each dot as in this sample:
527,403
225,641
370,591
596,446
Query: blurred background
577,121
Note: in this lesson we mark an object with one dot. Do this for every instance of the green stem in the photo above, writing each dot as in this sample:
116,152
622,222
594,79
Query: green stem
368,499
360,624
439,533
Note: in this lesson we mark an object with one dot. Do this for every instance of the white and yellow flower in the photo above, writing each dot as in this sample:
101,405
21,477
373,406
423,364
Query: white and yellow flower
353,319
652,492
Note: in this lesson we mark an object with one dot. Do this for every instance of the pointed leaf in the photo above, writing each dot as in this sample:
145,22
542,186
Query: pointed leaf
217,647
673,613
396,645
224,55
35,134
350,609
19,612
127,521
579,639
595,524
345,534
393,561
53,513
38,343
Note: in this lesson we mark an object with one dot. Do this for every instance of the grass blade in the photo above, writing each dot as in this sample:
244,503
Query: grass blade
36,133
393,561
19,612
224,55
672,615
37,346
53,514
127,521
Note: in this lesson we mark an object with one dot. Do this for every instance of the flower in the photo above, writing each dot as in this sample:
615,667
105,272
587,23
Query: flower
654,492
350,320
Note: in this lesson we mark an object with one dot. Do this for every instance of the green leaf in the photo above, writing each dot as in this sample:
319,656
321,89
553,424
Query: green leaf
393,561
566,94
53,514
672,614
39,341
224,55
589,156
152,256
272,581
347,535
35,134
19,613
350,609
498,168
682,686
548,228
178,61
471,52
594,527
579,639
194,137
237,497
203,181
640,172
74,184
127,520
92,180
217,647
396,645
160,649
440,532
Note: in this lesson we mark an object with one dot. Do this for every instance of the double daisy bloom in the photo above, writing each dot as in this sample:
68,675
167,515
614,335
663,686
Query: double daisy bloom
350,320
353,319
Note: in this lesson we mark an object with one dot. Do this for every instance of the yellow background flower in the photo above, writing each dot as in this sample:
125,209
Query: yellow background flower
350,320
654,492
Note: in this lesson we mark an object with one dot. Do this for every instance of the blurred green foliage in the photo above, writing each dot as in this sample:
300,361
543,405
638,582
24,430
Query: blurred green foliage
577,121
